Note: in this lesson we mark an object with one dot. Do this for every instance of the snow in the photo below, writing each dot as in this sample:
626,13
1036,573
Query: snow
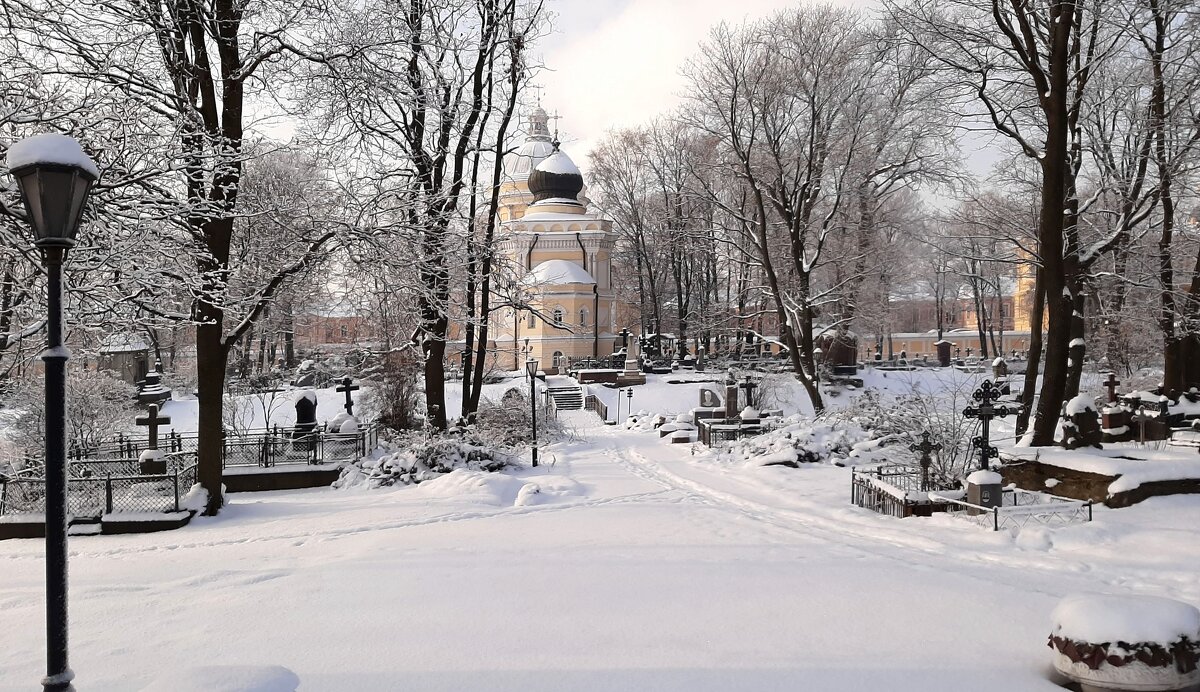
1078,404
623,563
559,271
152,455
226,679
1076,342
1132,467
50,148
1101,618
144,516
998,361
982,477
558,163
56,352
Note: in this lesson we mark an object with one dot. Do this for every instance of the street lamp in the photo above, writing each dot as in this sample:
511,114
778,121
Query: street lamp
629,405
531,368
55,177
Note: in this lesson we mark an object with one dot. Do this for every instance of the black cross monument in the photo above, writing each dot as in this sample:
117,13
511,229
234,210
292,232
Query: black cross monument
348,389
925,446
152,420
985,412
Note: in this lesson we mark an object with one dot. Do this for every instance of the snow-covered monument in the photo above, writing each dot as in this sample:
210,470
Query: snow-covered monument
560,256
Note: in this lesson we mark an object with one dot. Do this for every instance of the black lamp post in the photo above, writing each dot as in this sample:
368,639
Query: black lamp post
629,406
55,177
531,368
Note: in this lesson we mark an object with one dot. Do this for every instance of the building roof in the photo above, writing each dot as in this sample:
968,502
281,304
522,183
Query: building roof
123,342
557,272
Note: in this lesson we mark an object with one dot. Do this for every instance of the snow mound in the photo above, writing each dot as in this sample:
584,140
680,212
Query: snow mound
1100,618
499,490
226,679
797,440
50,148
985,478
1079,404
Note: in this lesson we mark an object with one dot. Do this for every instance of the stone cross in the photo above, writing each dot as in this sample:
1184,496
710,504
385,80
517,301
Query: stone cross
925,446
152,420
348,388
749,385
1111,385
985,412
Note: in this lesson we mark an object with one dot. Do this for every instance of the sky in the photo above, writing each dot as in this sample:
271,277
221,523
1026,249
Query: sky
617,63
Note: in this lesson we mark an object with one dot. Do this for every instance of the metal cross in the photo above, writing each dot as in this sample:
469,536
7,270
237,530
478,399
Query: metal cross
985,412
152,420
1111,384
925,446
348,388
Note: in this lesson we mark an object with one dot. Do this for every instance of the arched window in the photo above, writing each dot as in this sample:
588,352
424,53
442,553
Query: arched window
345,332
583,317
558,315
559,359
532,320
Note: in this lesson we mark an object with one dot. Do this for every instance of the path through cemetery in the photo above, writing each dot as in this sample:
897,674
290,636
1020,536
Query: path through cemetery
632,568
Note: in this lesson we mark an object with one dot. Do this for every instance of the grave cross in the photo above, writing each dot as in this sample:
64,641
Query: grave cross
348,388
925,446
985,412
749,385
1111,384
152,420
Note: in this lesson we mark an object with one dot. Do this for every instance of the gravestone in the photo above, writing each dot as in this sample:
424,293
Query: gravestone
151,390
943,353
731,401
925,447
1081,423
709,399
348,388
986,395
306,414
152,461
984,488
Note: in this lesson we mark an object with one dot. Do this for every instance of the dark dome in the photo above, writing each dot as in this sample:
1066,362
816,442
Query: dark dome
556,178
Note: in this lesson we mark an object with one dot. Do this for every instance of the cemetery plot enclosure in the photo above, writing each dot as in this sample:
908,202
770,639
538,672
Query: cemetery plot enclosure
1020,508
102,491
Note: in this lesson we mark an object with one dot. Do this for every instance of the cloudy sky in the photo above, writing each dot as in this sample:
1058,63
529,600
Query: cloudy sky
614,63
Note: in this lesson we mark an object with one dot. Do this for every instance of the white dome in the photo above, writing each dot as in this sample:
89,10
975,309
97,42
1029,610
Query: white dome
559,164
520,163
559,272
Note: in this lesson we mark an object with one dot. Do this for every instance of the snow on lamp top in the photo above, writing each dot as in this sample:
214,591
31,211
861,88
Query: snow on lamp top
50,149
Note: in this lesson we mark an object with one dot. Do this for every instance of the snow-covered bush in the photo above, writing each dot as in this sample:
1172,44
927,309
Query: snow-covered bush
411,458
397,396
796,440
98,404
897,421
507,422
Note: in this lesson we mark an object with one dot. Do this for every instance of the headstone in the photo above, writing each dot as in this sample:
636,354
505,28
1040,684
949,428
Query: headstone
731,401
306,413
943,353
749,385
700,359
151,390
152,461
1081,423
999,368
985,488
709,399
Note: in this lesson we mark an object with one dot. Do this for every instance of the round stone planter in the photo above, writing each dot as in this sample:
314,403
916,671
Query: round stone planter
1127,643
1131,677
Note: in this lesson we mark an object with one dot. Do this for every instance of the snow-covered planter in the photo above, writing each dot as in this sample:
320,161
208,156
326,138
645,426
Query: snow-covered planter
1140,643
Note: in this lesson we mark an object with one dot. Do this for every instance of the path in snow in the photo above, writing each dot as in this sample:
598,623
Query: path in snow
663,574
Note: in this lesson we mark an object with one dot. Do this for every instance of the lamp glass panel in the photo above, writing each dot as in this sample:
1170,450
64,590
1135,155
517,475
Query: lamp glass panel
32,190
79,195
531,367
56,203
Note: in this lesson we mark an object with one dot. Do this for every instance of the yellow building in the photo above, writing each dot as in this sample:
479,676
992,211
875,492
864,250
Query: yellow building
1023,296
561,257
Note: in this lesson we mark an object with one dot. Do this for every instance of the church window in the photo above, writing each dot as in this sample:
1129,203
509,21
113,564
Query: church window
583,317
558,315
532,320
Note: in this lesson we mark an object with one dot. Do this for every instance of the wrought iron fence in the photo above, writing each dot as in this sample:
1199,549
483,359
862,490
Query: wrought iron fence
593,404
1021,508
93,497
894,489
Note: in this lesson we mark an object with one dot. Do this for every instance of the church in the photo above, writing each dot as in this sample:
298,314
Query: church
559,255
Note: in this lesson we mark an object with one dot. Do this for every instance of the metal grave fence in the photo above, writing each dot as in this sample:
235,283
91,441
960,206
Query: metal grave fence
94,496
1021,508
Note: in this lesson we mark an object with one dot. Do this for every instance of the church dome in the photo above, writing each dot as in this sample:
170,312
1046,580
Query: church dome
537,146
556,178
559,272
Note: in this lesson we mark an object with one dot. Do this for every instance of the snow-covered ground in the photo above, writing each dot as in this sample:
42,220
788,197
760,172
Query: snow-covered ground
639,566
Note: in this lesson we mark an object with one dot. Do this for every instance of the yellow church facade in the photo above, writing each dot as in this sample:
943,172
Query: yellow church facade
559,256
